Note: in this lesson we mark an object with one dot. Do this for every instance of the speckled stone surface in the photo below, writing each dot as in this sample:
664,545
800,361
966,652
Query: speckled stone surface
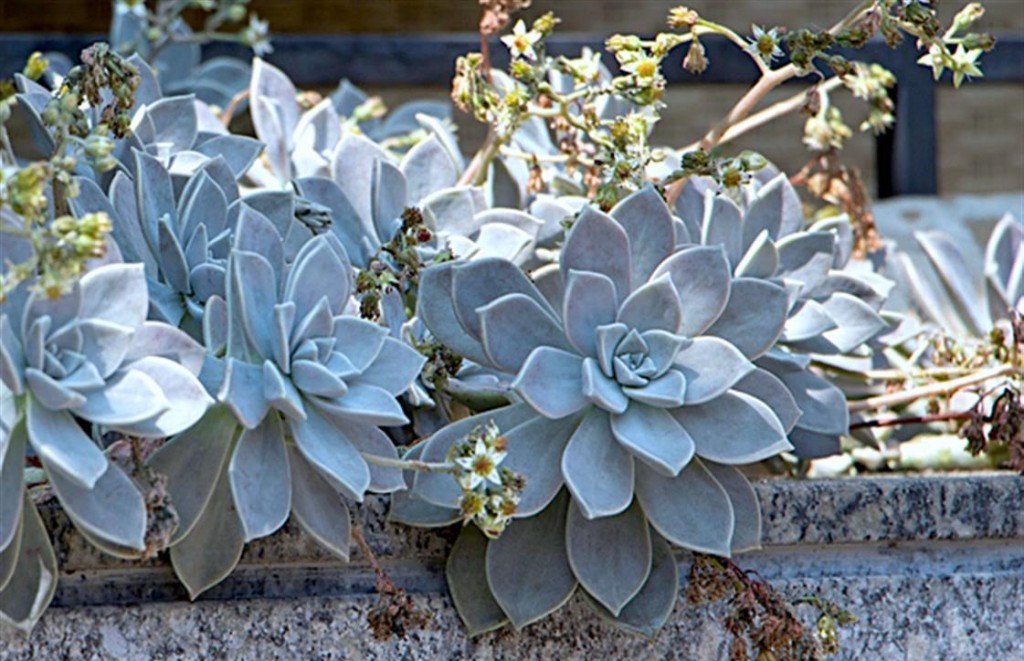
933,567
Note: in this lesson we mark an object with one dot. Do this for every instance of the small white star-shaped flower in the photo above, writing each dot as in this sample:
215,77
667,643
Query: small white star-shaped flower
481,465
521,41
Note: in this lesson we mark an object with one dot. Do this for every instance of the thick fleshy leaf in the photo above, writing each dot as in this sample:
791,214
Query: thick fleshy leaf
648,223
428,169
857,322
369,440
965,293
238,151
156,339
154,196
515,325
466,571
527,567
702,278
745,507
260,483
598,244
52,394
359,340
213,546
256,283
602,390
316,265
34,580
651,607
313,378
1004,264
436,308
130,397
761,259
765,386
653,435
193,461
115,293
765,213
535,450
551,382
184,393
722,225
242,392
597,469
808,321
823,405
12,465
175,120
754,317
12,359
809,444
58,440
364,403
323,445
317,507
271,83
173,264
806,257
353,168
734,428
711,366
654,306
610,556
105,344
480,282
112,510
667,391
691,509
589,302
394,369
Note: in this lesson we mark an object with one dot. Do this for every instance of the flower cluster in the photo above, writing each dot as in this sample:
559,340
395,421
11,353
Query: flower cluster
490,492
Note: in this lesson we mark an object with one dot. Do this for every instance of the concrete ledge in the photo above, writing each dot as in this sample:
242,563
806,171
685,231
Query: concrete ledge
933,567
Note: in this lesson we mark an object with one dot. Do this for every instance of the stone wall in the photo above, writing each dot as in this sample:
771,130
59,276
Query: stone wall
932,566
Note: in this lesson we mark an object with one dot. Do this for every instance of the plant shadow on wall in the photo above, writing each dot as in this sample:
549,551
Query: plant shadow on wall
575,344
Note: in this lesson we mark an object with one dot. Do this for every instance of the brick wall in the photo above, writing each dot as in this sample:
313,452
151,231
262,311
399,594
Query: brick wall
981,128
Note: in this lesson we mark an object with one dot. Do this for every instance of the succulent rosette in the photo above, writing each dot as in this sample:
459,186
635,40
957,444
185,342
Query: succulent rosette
302,390
181,228
834,310
633,401
367,193
89,356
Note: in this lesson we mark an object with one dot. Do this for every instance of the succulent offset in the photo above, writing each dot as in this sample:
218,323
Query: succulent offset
302,388
632,404
89,355
833,309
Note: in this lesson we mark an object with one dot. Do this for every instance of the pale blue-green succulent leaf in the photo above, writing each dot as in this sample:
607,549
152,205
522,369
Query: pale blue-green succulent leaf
806,257
371,441
597,469
281,393
822,405
655,305
332,454
12,358
722,226
242,392
598,244
34,580
809,320
428,167
612,573
112,510
212,548
711,366
654,436
754,318
602,390
964,292
551,382
1004,265
691,509
360,341
734,428
700,274
155,339
809,444
856,322
648,223
318,262
185,396
589,303
650,609
466,572
364,403
395,367
59,441
666,391
528,571
480,282
745,506
260,483
318,508
435,306
12,466
765,386
515,325
116,294
193,462
761,259
131,396
52,394
767,211
534,450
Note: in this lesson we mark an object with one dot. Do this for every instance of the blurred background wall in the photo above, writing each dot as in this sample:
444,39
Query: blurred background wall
981,128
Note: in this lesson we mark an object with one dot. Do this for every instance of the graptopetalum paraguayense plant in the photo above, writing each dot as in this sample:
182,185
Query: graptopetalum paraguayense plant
88,355
632,407
301,389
